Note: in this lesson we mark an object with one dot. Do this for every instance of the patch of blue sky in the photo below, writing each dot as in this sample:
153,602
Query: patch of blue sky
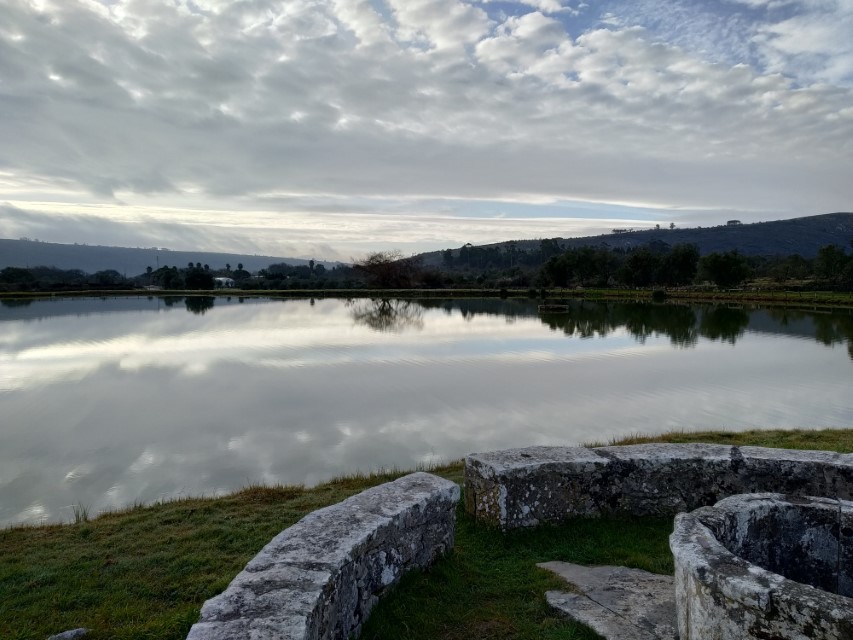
384,11
499,11
558,209
577,17
719,32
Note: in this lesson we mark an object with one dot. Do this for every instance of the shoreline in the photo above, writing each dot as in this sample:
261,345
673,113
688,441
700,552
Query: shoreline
791,299
815,439
145,571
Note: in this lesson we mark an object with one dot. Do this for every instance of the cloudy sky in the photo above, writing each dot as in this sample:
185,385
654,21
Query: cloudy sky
326,128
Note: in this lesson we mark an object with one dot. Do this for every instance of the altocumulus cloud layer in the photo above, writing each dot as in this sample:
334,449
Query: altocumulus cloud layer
335,126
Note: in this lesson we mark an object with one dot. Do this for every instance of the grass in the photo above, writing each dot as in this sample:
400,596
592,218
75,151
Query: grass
144,572
796,299
840,440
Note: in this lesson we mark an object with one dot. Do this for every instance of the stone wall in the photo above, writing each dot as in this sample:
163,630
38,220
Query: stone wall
526,487
321,577
764,566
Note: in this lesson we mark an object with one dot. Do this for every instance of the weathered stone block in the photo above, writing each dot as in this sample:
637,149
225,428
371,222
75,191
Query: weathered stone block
724,593
525,487
321,577
845,579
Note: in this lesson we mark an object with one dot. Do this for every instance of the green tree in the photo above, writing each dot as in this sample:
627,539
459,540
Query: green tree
830,263
641,268
241,273
679,266
15,275
794,267
198,278
726,270
168,278
108,277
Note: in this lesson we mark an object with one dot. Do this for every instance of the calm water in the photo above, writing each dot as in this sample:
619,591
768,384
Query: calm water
107,402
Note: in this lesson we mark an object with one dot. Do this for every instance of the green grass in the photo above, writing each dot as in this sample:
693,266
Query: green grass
840,440
770,297
490,586
144,572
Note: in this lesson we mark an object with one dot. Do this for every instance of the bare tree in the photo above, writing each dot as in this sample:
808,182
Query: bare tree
389,270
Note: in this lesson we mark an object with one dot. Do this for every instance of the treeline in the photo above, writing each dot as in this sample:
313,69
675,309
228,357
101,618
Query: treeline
194,277
550,265
657,264
283,276
53,279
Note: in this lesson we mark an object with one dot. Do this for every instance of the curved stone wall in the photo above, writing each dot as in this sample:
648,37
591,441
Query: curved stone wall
765,566
321,577
526,487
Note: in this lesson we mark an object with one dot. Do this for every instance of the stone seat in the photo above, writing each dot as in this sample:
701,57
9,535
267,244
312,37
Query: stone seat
526,487
320,578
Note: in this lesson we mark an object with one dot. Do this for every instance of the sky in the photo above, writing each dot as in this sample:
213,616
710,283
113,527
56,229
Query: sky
330,128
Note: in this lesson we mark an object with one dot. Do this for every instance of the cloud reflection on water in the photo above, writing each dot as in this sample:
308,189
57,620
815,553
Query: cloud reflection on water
105,409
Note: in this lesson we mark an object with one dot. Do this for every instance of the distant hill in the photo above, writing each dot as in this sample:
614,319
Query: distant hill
127,261
804,236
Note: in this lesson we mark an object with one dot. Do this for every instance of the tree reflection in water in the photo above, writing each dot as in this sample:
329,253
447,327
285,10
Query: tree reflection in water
199,305
394,316
642,320
14,303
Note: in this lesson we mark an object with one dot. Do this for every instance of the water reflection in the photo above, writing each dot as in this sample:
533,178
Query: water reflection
15,302
105,402
684,325
199,305
381,314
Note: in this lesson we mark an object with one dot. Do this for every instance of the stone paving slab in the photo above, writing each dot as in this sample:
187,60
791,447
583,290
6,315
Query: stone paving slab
616,602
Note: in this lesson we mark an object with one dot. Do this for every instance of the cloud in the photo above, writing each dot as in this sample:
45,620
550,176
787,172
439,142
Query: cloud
814,44
350,105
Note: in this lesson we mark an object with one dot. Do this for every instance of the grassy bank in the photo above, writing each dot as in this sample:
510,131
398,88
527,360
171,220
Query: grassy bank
143,573
799,299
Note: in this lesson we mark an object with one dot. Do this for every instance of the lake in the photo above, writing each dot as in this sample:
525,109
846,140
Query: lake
107,402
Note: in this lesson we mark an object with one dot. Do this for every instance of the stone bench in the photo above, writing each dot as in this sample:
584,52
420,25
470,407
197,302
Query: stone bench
763,566
527,487
321,577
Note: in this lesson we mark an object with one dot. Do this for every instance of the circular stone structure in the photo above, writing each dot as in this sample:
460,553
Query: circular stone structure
765,565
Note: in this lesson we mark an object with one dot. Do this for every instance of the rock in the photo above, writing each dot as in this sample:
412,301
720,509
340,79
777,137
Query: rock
743,568
71,634
526,487
321,577
616,602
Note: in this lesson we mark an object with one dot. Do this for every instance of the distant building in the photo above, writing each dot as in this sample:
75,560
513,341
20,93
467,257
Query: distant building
224,283
733,223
